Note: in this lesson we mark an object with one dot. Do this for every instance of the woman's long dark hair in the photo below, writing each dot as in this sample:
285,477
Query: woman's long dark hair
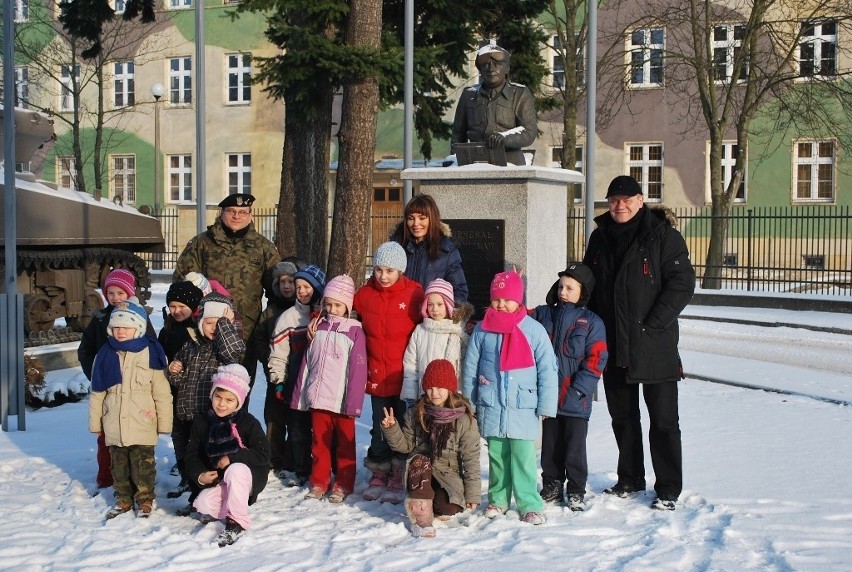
424,205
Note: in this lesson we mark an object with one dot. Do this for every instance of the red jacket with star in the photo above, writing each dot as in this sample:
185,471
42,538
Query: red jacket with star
388,316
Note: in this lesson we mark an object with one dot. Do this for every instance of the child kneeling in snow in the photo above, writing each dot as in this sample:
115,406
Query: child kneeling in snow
228,454
441,439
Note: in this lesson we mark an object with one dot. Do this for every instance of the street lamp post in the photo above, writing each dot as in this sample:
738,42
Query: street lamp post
157,91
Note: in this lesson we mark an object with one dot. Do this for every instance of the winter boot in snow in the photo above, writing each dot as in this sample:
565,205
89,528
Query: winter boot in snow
230,534
420,513
182,488
395,492
378,480
551,491
576,502
120,507
146,507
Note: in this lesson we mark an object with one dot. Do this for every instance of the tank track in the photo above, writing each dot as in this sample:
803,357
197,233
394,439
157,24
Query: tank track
80,258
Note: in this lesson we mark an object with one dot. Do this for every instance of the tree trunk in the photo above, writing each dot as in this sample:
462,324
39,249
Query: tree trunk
357,137
712,279
302,224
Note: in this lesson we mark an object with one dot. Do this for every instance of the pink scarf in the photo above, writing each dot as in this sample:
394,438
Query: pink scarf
515,353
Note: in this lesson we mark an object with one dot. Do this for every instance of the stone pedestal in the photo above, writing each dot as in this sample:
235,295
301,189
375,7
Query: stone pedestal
532,203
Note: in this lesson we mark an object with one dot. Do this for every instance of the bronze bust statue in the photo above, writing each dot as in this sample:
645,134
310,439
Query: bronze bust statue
496,112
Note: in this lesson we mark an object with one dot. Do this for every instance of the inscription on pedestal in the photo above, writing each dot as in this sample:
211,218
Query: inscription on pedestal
481,243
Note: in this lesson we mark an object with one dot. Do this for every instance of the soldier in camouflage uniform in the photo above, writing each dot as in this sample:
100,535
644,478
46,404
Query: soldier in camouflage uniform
234,253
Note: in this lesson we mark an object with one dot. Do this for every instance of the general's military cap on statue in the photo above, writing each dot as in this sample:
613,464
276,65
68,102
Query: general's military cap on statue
237,200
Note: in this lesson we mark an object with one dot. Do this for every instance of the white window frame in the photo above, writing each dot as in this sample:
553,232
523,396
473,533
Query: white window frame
180,81
123,177
814,168
180,178
819,40
22,86
646,50
728,161
22,10
238,173
646,169
180,4
118,6
124,81
66,172
557,65
238,86
729,48
66,93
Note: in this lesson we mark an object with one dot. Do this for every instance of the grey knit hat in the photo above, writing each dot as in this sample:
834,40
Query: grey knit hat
392,255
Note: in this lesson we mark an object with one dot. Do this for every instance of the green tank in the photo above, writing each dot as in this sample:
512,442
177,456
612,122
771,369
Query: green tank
67,242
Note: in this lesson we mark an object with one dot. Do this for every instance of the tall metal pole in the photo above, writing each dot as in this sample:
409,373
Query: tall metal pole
157,91
11,312
591,117
200,127
408,99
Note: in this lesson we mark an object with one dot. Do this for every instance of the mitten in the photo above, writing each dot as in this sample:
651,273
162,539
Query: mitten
279,391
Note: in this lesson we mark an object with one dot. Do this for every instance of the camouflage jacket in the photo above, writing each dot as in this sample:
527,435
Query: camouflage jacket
241,264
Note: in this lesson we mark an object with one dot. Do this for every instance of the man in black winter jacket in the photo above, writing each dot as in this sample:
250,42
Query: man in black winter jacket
644,281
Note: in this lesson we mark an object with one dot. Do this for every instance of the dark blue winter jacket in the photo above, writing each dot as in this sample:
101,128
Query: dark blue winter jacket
579,342
447,265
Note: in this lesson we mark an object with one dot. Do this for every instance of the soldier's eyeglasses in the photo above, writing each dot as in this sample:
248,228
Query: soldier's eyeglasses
237,214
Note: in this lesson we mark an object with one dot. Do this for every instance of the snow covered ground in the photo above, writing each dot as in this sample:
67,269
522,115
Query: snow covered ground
766,485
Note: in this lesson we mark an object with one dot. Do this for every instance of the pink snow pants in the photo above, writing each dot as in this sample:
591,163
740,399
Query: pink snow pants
230,497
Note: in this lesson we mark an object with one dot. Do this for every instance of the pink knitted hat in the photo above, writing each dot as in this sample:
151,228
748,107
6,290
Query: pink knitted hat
508,285
234,378
445,290
122,278
342,289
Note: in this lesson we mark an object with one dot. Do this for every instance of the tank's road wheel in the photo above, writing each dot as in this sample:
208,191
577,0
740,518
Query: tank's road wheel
91,303
37,317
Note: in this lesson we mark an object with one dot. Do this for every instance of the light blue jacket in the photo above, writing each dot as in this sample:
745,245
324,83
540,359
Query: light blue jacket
510,403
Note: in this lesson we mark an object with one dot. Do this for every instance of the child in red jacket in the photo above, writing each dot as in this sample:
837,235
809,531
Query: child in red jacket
389,308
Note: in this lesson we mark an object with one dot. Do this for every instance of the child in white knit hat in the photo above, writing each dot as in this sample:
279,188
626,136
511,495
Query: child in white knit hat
217,341
441,335
228,454
130,404
389,308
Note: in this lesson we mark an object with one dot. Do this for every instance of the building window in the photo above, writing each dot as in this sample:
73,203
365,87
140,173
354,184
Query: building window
65,173
180,81
124,177
180,178
730,149
119,7
646,57
645,164
556,157
22,10
180,4
124,84
818,49
22,86
70,82
557,69
239,78
813,261
239,173
813,170
727,46
730,260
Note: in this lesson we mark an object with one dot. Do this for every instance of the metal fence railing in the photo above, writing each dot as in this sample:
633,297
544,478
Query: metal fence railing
773,249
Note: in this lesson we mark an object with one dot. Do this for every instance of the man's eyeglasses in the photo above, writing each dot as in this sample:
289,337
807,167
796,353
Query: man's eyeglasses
236,213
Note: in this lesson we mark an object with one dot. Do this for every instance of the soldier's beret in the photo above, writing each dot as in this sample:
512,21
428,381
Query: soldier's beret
237,200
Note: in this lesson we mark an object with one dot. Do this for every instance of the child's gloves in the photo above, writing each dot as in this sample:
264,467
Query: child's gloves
279,391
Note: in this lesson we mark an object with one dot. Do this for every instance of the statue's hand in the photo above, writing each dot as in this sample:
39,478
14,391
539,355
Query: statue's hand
495,140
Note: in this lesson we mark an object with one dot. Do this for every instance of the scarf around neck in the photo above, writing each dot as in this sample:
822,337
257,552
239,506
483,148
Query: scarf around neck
440,422
222,435
515,351
107,369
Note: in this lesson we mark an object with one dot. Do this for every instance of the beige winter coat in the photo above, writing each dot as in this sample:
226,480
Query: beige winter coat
457,469
134,411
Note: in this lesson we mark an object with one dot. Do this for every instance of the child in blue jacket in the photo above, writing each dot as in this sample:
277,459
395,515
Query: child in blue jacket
510,376
579,342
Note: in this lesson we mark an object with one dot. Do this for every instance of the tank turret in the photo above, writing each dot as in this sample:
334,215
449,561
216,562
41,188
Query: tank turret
68,241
